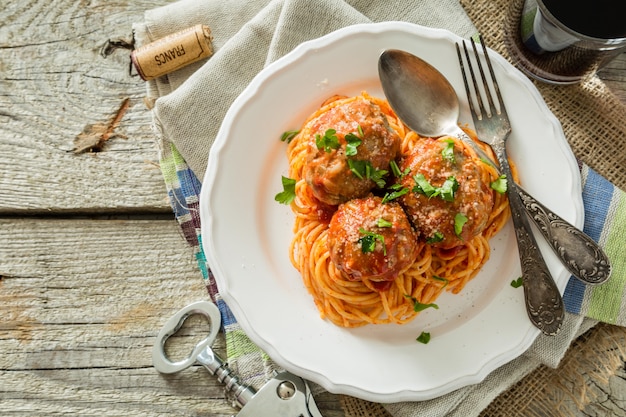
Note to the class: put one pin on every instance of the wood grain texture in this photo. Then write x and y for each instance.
(614, 76)
(54, 83)
(81, 303)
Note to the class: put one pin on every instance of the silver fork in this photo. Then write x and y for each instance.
(543, 299)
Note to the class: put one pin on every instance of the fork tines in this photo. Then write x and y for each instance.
(480, 109)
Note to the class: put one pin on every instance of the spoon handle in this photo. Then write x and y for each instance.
(544, 304)
(577, 251)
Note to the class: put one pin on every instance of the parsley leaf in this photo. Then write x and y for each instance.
(417, 306)
(328, 142)
(289, 191)
(365, 169)
(445, 281)
(352, 142)
(423, 186)
(516, 283)
(448, 151)
(395, 170)
(368, 242)
(448, 189)
(424, 338)
(377, 175)
(397, 190)
(383, 223)
(459, 221)
(435, 238)
(288, 135)
(360, 168)
(500, 185)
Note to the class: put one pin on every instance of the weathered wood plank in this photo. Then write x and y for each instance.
(81, 302)
(614, 75)
(54, 83)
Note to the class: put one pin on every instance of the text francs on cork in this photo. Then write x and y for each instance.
(172, 52)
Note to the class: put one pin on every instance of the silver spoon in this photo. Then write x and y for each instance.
(426, 102)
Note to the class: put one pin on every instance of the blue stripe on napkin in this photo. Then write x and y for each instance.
(596, 191)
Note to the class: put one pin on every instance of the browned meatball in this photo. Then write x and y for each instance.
(434, 216)
(327, 170)
(369, 239)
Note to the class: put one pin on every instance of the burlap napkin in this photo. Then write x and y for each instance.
(192, 102)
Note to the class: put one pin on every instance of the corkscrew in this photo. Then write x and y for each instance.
(284, 395)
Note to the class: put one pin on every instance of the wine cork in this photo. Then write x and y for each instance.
(172, 52)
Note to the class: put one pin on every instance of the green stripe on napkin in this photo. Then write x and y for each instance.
(606, 301)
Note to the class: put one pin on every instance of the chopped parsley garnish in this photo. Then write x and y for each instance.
(449, 187)
(417, 306)
(424, 338)
(423, 186)
(288, 135)
(435, 238)
(365, 170)
(459, 221)
(448, 152)
(328, 142)
(368, 242)
(446, 191)
(395, 170)
(516, 283)
(397, 190)
(445, 281)
(383, 223)
(352, 142)
(289, 191)
(500, 185)
(488, 161)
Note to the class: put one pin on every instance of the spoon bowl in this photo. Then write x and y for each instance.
(419, 94)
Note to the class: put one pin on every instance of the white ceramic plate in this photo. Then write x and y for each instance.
(246, 234)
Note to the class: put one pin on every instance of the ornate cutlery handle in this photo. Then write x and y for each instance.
(543, 299)
(578, 252)
(544, 304)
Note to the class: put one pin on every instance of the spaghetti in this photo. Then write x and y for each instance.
(351, 302)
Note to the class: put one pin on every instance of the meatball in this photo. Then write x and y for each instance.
(327, 170)
(371, 239)
(435, 161)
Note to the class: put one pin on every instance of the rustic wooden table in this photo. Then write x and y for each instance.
(91, 259)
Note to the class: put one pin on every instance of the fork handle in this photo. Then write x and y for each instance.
(544, 304)
(577, 251)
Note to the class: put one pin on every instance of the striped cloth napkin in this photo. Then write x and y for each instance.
(253, 31)
(183, 189)
(605, 222)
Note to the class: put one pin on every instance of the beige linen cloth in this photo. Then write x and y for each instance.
(248, 35)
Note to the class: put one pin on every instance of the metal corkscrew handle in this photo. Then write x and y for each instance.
(285, 394)
(578, 252)
(202, 353)
(544, 303)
